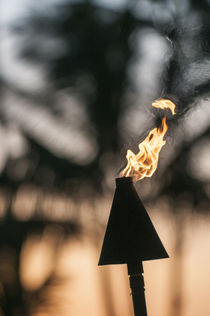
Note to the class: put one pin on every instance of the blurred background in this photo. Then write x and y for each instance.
(77, 79)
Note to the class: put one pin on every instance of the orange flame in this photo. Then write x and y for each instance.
(145, 162)
(164, 104)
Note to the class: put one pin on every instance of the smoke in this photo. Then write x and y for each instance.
(187, 73)
(172, 57)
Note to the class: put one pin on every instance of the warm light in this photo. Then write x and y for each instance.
(164, 104)
(145, 162)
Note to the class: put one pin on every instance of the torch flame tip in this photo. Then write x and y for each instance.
(164, 104)
(145, 162)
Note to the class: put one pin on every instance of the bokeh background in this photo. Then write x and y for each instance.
(77, 79)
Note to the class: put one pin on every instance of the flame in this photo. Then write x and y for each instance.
(164, 104)
(145, 162)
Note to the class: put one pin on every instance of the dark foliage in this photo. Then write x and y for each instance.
(92, 51)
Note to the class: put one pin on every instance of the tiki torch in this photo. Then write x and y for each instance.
(130, 236)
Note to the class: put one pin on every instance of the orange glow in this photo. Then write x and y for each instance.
(164, 104)
(145, 162)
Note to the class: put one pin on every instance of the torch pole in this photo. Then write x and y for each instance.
(135, 272)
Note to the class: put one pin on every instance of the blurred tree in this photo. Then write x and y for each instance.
(91, 54)
(86, 50)
(91, 57)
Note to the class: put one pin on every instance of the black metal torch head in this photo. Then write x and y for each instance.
(130, 235)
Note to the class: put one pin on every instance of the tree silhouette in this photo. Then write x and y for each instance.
(86, 50)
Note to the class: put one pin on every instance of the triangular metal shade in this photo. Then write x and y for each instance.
(130, 235)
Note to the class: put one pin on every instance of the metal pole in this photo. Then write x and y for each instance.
(135, 272)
